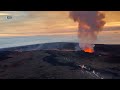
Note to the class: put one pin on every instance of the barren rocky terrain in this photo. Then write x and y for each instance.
(60, 63)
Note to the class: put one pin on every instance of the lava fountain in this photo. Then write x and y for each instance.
(90, 23)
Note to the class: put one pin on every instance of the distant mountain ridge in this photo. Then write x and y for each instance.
(61, 46)
(45, 46)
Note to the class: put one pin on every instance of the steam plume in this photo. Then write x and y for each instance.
(89, 24)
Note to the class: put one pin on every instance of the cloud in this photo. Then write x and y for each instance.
(112, 28)
(16, 16)
(40, 22)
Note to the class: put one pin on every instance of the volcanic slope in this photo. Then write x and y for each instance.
(61, 64)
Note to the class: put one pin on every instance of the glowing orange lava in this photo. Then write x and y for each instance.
(88, 50)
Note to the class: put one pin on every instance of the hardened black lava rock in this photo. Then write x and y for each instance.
(64, 63)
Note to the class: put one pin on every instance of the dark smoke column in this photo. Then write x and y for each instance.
(89, 24)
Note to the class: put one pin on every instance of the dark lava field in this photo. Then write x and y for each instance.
(60, 63)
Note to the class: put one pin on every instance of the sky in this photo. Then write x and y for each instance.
(32, 23)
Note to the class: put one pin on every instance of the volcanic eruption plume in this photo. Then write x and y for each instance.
(90, 23)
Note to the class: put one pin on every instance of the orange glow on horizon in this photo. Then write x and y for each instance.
(42, 34)
(112, 24)
(68, 29)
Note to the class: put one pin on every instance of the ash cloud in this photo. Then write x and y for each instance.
(90, 23)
